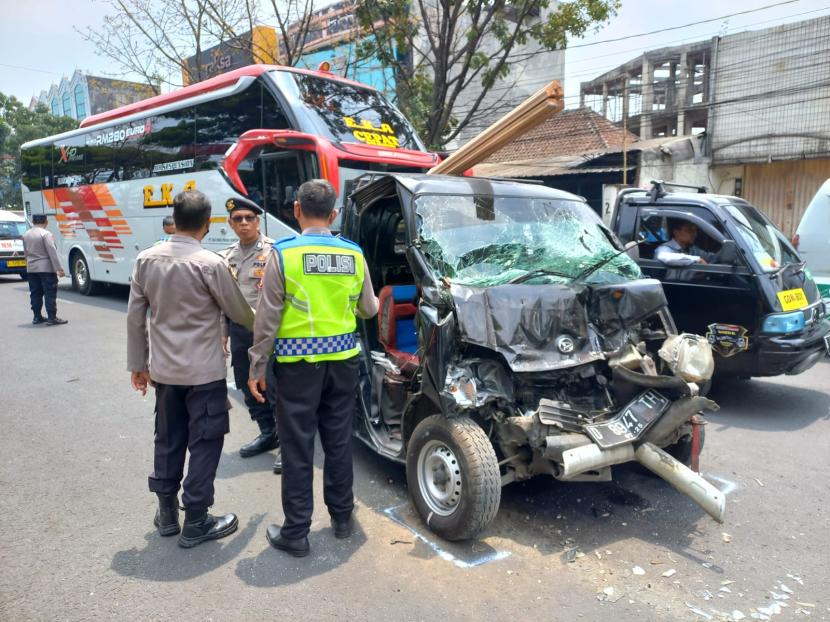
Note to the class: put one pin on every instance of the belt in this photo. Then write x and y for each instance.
(306, 346)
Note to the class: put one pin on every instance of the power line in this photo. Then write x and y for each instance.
(704, 21)
(54, 73)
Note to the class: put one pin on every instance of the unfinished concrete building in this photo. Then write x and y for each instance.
(665, 92)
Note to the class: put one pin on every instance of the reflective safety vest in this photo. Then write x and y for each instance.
(323, 278)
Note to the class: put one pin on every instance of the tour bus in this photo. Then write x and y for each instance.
(257, 132)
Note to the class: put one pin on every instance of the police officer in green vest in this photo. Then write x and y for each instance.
(314, 286)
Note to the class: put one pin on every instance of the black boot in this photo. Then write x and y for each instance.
(167, 515)
(298, 547)
(199, 526)
(278, 463)
(38, 319)
(266, 441)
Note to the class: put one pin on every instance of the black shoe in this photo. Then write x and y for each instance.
(199, 526)
(56, 321)
(342, 528)
(38, 319)
(262, 443)
(298, 547)
(278, 463)
(167, 515)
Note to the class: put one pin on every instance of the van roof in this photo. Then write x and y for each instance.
(11, 216)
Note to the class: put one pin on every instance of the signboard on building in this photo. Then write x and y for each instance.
(257, 46)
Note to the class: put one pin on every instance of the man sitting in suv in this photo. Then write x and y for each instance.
(681, 249)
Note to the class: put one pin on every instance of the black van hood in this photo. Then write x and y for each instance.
(522, 322)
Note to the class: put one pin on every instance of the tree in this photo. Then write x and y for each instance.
(19, 125)
(443, 50)
(154, 39)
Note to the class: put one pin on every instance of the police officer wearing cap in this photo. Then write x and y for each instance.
(247, 259)
(314, 286)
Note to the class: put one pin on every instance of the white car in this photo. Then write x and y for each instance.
(812, 238)
(12, 257)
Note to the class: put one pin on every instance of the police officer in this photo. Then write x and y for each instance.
(314, 285)
(246, 259)
(43, 268)
(186, 289)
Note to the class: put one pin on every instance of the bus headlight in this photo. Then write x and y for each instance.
(781, 323)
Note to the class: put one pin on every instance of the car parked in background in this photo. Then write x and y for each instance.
(12, 257)
(812, 238)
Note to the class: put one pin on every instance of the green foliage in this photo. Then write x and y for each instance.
(18, 125)
(440, 50)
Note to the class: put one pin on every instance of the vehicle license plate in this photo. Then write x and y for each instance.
(631, 421)
(16, 263)
(792, 299)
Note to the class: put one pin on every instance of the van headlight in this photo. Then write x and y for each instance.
(689, 357)
(781, 323)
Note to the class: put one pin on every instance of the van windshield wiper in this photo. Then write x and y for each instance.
(591, 269)
(778, 271)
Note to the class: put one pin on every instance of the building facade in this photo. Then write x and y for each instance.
(759, 101)
(82, 95)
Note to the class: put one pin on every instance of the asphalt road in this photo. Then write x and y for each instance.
(78, 542)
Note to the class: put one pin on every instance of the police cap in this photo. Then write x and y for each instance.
(236, 203)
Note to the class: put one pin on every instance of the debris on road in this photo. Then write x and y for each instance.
(699, 612)
(726, 537)
(759, 482)
(638, 571)
(670, 573)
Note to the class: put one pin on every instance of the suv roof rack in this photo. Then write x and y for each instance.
(658, 188)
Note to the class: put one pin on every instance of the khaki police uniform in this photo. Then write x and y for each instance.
(186, 290)
(305, 328)
(42, 267)
(247, 264)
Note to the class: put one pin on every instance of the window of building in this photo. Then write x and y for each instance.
(67, 104)
(56, 111)
(80, 101)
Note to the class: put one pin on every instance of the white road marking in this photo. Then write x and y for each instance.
(727, 486)
(484, 559)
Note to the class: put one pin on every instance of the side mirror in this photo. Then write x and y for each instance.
(728, 252)
(632, 249)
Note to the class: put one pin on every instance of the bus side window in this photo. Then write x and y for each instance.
(69, 162)
(219, 123)
(37, 167)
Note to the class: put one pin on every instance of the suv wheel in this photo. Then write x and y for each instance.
(453, 476)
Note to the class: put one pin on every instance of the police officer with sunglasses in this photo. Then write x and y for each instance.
(247, 258)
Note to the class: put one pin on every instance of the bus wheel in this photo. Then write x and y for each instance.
(81, 279)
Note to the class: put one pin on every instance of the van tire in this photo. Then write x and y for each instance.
(455, 503)
(81, 278)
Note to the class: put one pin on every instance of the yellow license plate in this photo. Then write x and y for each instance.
(16, 263)
(792, 299)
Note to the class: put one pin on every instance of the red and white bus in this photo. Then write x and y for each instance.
(258, 132)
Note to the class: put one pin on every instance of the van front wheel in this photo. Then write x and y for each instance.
(453, 476)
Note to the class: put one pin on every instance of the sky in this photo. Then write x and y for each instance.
(39, 42)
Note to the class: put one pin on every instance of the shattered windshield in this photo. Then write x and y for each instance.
(484, 240)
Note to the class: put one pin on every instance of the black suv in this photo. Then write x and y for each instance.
(754, 299)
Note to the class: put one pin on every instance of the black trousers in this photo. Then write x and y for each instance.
(194, 419)
(242, 339)
(312, 397)
(43, 285)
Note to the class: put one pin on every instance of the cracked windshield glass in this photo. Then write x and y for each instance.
(483, 241)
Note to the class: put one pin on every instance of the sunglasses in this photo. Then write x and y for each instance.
(244, 218)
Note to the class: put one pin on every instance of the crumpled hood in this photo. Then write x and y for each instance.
(521, 322)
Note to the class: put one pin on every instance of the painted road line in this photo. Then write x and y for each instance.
(475, 559)
(727, 486)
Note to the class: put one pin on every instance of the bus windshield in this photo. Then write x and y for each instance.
(346, 113)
